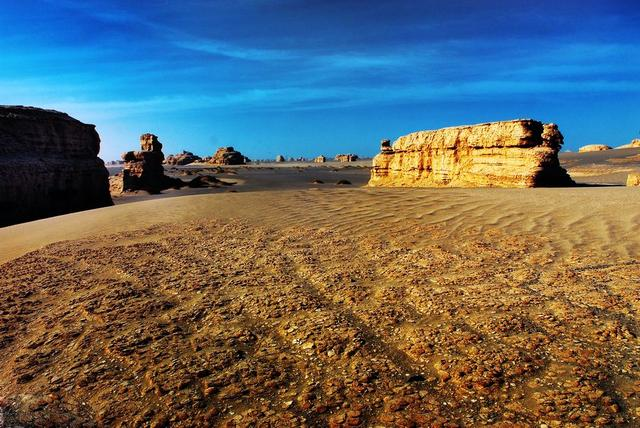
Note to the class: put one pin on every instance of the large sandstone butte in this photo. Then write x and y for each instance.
(518, 153)
(49, 165)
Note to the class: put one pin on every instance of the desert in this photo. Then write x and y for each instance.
(328, 305)
(319, 214)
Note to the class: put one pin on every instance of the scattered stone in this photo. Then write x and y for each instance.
(519, 153)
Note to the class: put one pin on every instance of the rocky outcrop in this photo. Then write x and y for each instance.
(184, 158)
(143, 169)
(320, 159)
(347, 158)
(49, 165)
(634, 144)
(593, 148)
(280, 158)
(518, 153)
(633, 180)
(228, 156)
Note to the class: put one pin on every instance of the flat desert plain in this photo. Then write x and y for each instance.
(282, 302)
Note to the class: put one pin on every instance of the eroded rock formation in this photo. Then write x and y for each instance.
(280, 158)
(143, 169)
(184, 158)
(593, 148)
(228, 156)
(49, 165)
(347, 158)
(320, 159)
(633, 180)
(518, 153)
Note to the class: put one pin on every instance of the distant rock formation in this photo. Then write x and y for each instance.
(346, 158)
(633, 180)
(634, 144)
(280, 158)
(228, 156)
(593, 148)
(320, 159)
(518, 153)
(143, 169)
(184, 158)
(49, 165)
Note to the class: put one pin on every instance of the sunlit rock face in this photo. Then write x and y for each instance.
(594, 148)
(49, 165)
(517, 153)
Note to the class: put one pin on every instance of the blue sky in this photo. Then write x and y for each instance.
(303, 78)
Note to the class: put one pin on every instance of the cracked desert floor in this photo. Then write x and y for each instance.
(327, 306)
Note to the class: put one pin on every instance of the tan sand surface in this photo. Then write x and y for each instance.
(327, 306)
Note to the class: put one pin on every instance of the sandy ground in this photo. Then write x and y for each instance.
(333, 305)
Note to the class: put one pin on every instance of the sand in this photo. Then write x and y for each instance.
(318, 304)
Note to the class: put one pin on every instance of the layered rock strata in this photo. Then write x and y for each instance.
(49, 165)
(518, 153)
(228, 156)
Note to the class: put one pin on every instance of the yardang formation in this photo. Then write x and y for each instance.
(49, 165)
(518, 153)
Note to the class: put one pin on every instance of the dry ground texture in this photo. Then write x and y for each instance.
(340, 307)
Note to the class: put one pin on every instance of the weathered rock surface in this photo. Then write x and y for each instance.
(49, 165)
(280, 158)
(228, 156)
(633, 180)
(143, 169)
(593, 148)
(347, 158)
(320, 159)
(184, 158)
(518, 153)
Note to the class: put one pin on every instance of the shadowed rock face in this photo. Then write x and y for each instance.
(143, 169)
(519, 153)
(49, 165)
